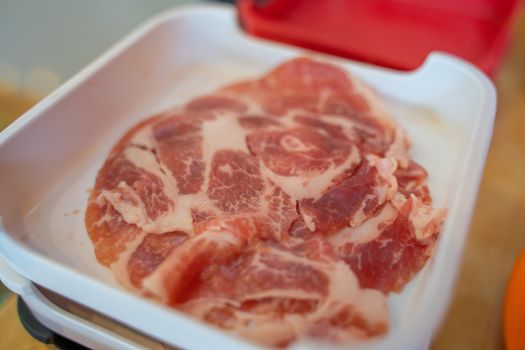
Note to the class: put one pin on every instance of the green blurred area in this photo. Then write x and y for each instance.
(4, 292)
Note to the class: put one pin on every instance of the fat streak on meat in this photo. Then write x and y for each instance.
(278, 208)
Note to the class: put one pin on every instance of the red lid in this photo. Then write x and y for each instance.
(392, 33)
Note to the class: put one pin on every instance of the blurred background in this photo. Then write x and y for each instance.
(43, 43)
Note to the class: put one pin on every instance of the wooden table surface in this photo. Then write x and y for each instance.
(12, 333)
(497, 234)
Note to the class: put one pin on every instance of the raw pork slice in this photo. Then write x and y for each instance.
(279, 208)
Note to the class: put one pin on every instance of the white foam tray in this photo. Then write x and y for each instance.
(50, 156)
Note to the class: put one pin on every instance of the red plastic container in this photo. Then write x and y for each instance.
(391, 33)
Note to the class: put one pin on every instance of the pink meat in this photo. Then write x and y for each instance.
(278, 208)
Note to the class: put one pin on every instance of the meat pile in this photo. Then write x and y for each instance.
(277, 208)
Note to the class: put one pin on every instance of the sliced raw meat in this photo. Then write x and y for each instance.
(216, 102)
(279, 208)
(137, 194)
(306, 74)
(179, 143)
(353, 200)
(109, 233)
(237, 187)
(319, 88)
(305, 160)
(181, 269)
(389, 249)
(274, 293)
(151, 252)
(256, 122)
(235, 184)
(299, 152)
(411, 180)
